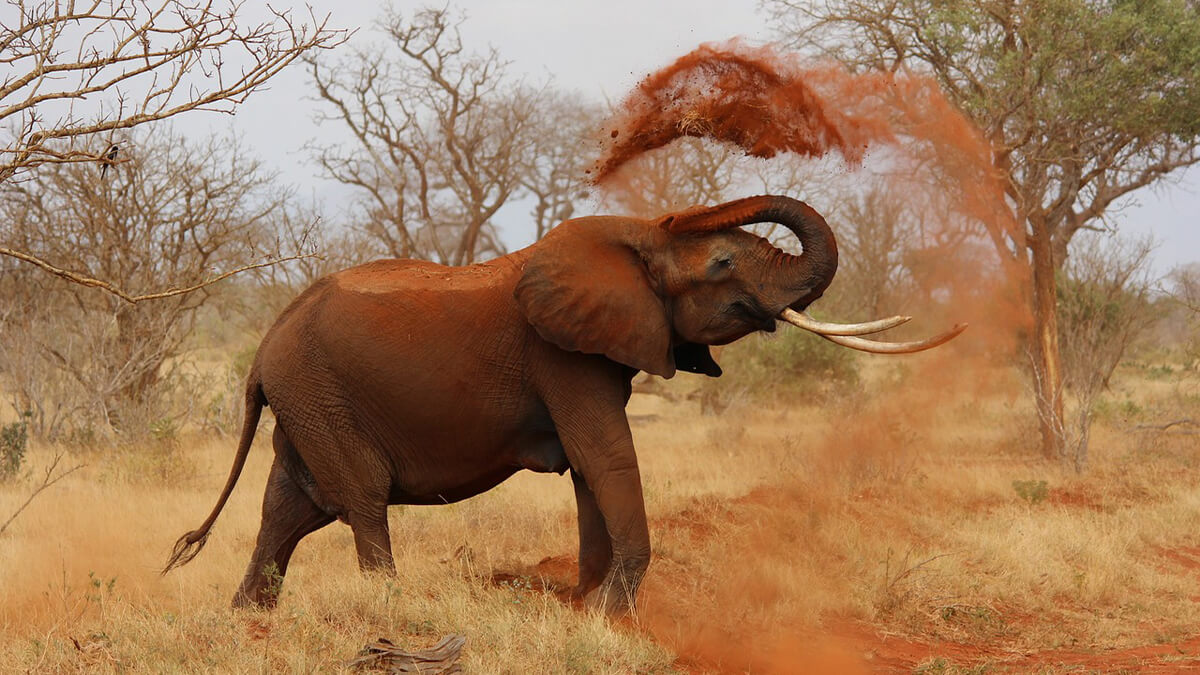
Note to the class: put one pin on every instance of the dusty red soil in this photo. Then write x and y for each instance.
(892, 654)
(554, 574)
(671, 614)
(1185, 556)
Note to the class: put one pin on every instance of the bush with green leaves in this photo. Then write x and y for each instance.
(790, 364)
(1033, 492)
(14, 439)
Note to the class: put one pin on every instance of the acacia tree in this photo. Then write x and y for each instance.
(177, 210)
(1084, 102)
(77, 74)
(442, 137)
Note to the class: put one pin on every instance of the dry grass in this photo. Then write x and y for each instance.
(780, 536)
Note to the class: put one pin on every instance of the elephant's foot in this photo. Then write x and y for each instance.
(614, 601)
(592, 570)
(260, 588)
(254, 599)
(617, 595)
(260, 593)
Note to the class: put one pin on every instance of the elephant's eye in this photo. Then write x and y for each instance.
(720, 266)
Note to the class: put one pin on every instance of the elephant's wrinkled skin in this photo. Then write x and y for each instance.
(406, 382)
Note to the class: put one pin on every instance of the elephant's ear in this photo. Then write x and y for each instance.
(585, 290)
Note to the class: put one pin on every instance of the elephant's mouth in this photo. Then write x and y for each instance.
(749, 311)
(846, 334)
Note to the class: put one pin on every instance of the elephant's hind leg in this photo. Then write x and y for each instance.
(372, 540)
(349, 476)
(288, 515)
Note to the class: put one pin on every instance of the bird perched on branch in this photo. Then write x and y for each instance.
(110, 158)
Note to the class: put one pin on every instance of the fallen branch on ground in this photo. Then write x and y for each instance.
(1166, 427)
(441, 659)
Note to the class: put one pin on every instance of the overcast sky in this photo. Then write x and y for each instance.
(602, 49)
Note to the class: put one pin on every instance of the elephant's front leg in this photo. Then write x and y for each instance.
(599, 446)
(619, 494)
(595, 548)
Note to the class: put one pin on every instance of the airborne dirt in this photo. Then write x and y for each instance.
(736, 96)
(766, 103)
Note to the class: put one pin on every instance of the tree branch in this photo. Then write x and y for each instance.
(85, 280)
(48, 481)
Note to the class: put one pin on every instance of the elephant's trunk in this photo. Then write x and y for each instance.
(806, 276)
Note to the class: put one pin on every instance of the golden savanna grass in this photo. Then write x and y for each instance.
(876, 533)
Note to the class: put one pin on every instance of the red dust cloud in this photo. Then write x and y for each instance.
(734, 95)
(897, 124)
(966, 266)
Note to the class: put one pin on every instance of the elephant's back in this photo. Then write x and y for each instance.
(385, 277)
(392, 309)
(404, 333)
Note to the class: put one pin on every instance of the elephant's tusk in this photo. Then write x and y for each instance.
(862, 344)
(843, 334)
(802, 320)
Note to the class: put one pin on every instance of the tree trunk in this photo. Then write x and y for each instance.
(141, 353)
(1047, 361)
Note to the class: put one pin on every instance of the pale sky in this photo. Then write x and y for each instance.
(602, 49)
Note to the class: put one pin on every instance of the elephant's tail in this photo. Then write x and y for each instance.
(190, 544)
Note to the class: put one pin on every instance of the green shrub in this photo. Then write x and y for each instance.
(1032, 491)
(14, 439)
(1124, 411)
(1159, 372)
(789, 364)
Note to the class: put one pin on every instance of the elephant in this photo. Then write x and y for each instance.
(409, 382)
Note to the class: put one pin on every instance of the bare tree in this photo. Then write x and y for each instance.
(79, 72)
(443, 137)
(565, 126)
(75, 70)
(1104, 305)
(271, 288)
(1185, 294)
(686, 173)
(876, 238)
(177, 210)
(1186, 282)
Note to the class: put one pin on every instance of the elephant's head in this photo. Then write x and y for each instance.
(654, 294)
